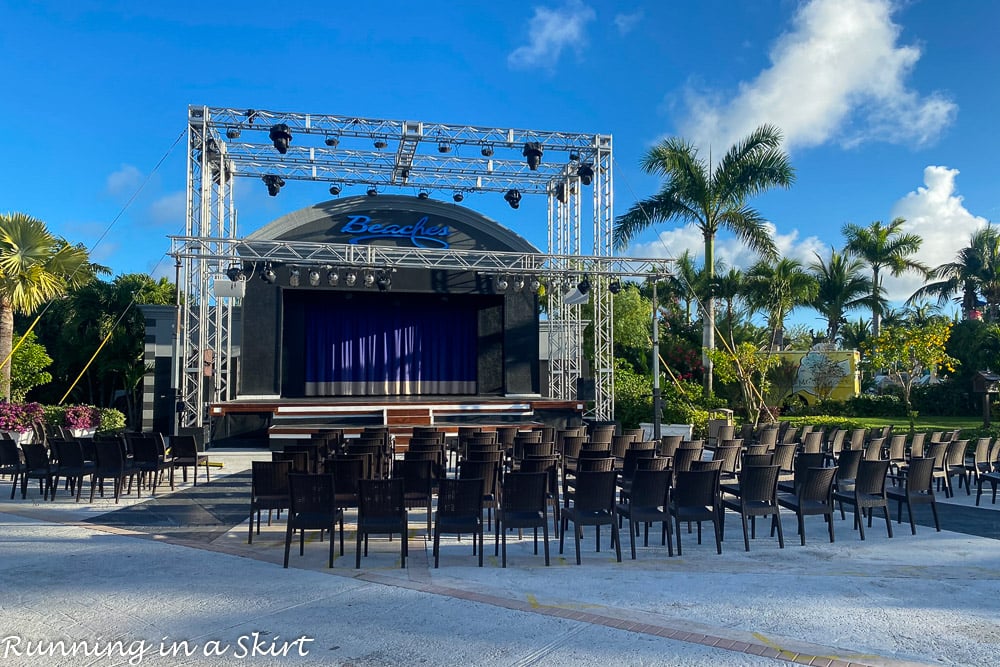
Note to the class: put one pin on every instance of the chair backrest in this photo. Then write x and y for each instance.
(347, 471)
(873, 449)
(602, 464)
(506, 435)
(269, 478)
(761, 459)
(643, 444)
(636, 433)
(594, 451)
(110, 457)
(936, 436)
(543, 464)
(417, 475)
(524, 491)
(183, 446)
(956, 452)
(847, 463)
(381, 498)
(897, 447)
(920, 476)
(9, 453)
(706, 465)
(730, 442)
(756, 450)
(684, 457)
(669, 444)
(572, 444)
(917, 445)
(364, 460)
(817, 485)
(535, 449)
(791, 434)
(70, 453)
(311, 494)
(696, 488)
(812, 442)
(144, 449)
(857, 439)
(759, 483)
(803, 463)
(729, 456)
(994, 455)
(982, 453)
(654, 463)
(768, 435)
(428, 432)
(650, 488)
(837, 441)
(784, 456)
(594, 490)
(460, 498)
(871, 477)
(35, 455)
(631, 460)
(488, 471)
(619, 443)
(937, 451)
(601, 433)
(299, 460)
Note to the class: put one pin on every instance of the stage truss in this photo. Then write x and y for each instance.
(388, 155)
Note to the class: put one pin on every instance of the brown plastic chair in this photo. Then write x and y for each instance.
(268, 490)
(593, 504)
(523, 505)
(418, 484)
(648, 502)
(312, 506)
(814, 496)
(695, 498)
(459, 510)
(867, 493)
(918, 489)
(757, 495)
(381, 511)
(184, 450)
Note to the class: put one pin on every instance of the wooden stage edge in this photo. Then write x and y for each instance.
(290, 418)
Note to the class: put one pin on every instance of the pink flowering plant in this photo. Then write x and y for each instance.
(19, 417)
(82, 417)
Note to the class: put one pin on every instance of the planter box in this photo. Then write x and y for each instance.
(82, 432)
(677, 429)
(19, 437)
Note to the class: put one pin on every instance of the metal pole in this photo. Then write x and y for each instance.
(657, 410)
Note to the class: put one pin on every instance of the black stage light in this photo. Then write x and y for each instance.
(535, 284)
(293, 276)
(351, 278)
(615, 286)
(369, 279)
(332, 277)
(251, 115)
(233, 133)
(268, 275)
(519, 283)
(586, 174)
(274, 183)
(423, 194)
(335, 190)
(373, 191)
(561, 192)
(314, 277)
(458, 197)
(583, 285)
(235, 273)
(281, 136)
(383, 281)
(331, 140)
(513, 197)
(486, 150)
(380, 144)
(574, 156)
(533, 153)
(444, 148)
(501, 283)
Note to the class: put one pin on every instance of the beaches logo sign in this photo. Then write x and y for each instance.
(420, 234)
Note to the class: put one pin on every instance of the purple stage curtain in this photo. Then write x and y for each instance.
(368, 349)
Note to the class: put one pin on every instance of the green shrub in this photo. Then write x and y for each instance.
(946, 399)
(867, 405)
(112, 421)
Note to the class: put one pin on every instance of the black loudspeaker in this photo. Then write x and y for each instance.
(585, 389)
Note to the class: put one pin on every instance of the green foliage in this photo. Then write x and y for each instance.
(112, 421)
(867, 405)
(28, 367)
(683, 403)
(826, 422)
(780, 380)
(633, 395)
(946, 398)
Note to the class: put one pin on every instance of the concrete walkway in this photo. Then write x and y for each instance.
(175, 575)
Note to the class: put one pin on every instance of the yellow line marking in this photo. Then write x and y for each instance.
(804, 656)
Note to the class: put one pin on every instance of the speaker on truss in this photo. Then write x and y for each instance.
(586, 390)
(232, 288)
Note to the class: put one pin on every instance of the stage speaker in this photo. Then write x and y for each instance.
(233, 288)
(575, 297)
(586, 390)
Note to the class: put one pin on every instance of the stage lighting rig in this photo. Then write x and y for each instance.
(513, 197)
(281, 136)
(274, 183)
(533, 154)
(586, 174)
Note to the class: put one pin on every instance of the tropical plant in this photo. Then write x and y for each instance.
(974, 273)
(841, 288)
(745, 365)
(19, 417)
(81, 417)
(776, 290)
(35, 266)
(712, 197)
(28, 366)
(884, 248)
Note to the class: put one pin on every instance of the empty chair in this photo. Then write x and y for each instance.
(897, 452)
(523, 505)
(784, 458)
(916, 446)
(37, 466)
(111, 465)
(729, 457)
(955, 465)
(550, 466)
(980, 464)
(70, 465)
(867, 493)
(268, 490)
(10, 463)
(648, 502)
(418, 484)
(311, 506)
(684, 457)
(381, 511)
(669, 445)
(696, 498)
(812, 442)
(847, 469)
(489, 472)
(992, 477)
(814, 496)
(459, 510)
(593, 505)
(347, 471)
(757, 495)
(918, 489)
(185, 454)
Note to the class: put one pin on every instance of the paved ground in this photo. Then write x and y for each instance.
(173, 582)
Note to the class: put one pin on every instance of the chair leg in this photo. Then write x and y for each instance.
(616, 538)
(288, 542)
(888, 522)
(357, 551)
(935, 512)
(577, 530)
(746, 538)
(545, 536)
(829, 521)
(776, 521)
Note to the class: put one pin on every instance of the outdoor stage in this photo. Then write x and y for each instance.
(263, 421)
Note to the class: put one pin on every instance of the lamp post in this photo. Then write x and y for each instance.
(656, 369)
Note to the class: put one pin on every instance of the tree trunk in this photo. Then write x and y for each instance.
(708, 326)
(6, 344)
(876, 314)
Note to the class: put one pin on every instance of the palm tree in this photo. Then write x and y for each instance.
(35, 266)
(974, 273)
(730, 289)
(842, 288)
(777, 289)
(854, 334)
(685, 282)
(883, 247)
(712, 197)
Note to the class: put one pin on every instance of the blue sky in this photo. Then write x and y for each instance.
(888, 108)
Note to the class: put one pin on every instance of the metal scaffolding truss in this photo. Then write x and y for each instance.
(387, 154)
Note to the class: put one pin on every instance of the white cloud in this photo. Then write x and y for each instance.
(170, 210)
(125, 181)
(838, 74)
(935, 213)
(627, 22)
(550, 31)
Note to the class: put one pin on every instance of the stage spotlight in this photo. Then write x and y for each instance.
(331, 140)
(380, 144)
(274, 183)
(314, 277)
(373, 191)
(574, 156)
(233, 133)
(533, 154)
(444, 148)
(293, 276)
(384, 281)
(281, 136)
(583, 285)
(332, 277)
(335, 189)
(513, 197)
(586, 174)
(458, 197)
(615, 286)
(369, 279)
(351, 278)
(423, 194)
(486, 150)
(519, 283)
(535, 284)
(268, 275)
(251, 115)
(501, 283)
(235, 273)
